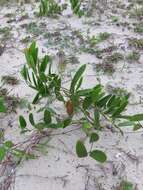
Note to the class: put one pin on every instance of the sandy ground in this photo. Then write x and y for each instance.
(60, 168)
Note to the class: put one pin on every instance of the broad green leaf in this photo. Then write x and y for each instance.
(2, 153)
(111, 101)
(47, 117)
(103, 101)
(121, 108)
(98, 156)
(76, 78)
(22, 122)
(94, 137)
(80, 149)
(97, 93)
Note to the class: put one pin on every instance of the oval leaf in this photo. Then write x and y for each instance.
(94, 137)
(47, 117)
(22, 122)
(31, 119)
(98, 156)
(80, 149)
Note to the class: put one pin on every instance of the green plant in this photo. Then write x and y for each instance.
(76, 7)
(5, 32)
(139, 28)
(94, 40)
(125, 185)
(11, 80)
(105, 67)
(114, 58)
(11, 102)
(49, 7)
(133, 56)
(137, 43)
(93, 104)
(33, 28)
(137, 12)
(114, 18)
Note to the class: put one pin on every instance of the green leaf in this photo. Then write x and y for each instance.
(66, 122)
(22, 122)
(86, 128)
(111, 101)
(97, 93)
(31, 119)
(98, 156)
(33, 51)
(87, 125)
(47, 117)
(85, 92)
(59, 96)
(121, 108)
(2, 106)
(80, 149)
(96, 119)
(76, 78)
(43, 77)
(125, 185)
(44, 63)
(87, 102)
(36, 98)
(34, 79)
(137, 127)
(9, 144)
(94, 137)
(79, 83)
(54, 125)
(103, 101)
(2, 153)
(137, 117)
(24, 72)
(126, 123)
